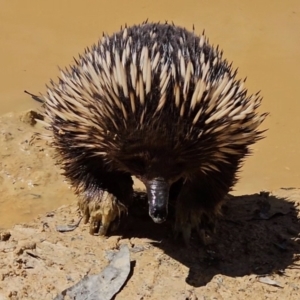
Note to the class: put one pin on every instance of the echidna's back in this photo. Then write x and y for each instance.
(161, 65)
(155, 87)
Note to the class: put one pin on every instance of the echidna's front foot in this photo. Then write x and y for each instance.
(200, 221)
(191, 214)
(103, 212)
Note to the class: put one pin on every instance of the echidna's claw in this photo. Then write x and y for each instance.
(102, 230)
(102, 212)
(204, 236)
(195, 219)
(186, 233)
(184, 230)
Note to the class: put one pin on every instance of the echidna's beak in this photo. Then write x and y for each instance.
(158, 195)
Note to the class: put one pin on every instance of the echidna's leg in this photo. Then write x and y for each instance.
(104, 194)
(200, 200)
(173, 196)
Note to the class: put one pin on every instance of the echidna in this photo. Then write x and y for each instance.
(160, 103)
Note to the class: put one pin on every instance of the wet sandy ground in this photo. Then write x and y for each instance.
(262, 39)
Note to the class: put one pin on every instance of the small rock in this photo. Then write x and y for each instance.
(5, 236)
(30, 117)
(25, 245)
(6, 136)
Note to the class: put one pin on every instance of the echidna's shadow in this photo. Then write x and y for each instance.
(254, 236)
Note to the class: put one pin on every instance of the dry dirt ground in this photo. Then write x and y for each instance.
(254, 254)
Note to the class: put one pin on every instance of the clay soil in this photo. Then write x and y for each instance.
(257, 238)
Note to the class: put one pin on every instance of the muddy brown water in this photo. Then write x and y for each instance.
(262, 38)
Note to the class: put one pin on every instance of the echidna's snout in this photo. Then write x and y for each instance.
(158, 195)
